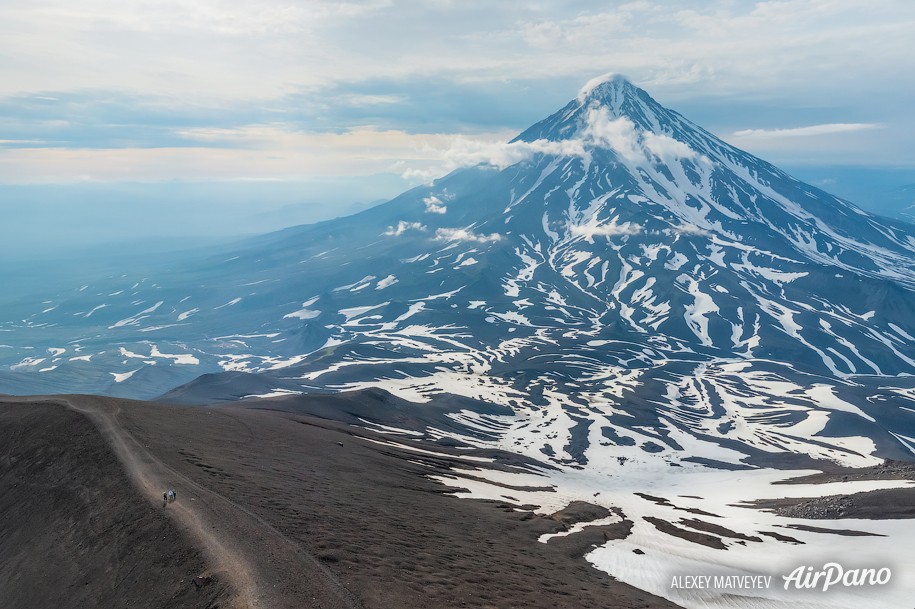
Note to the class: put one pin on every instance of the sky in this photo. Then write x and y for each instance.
(305, 110)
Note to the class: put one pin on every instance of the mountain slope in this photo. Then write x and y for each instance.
(634, 287)
(76, 533)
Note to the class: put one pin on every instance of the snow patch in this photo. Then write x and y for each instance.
(123, 376)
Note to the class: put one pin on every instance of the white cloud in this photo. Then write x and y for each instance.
(608, 230)
(207, 47)
(600, 130)
(591, 29)
(418, 175)
(190, 49)
(809, 131)
(363, 100)
(465, 152)
(227, 18)
(828, 143)
(618, 134)
(230, 49)
(402, 227)
(234, 54)
(465, 234)
(631, 143)
(434, 205)
(667, 148)
(453, 152)
(689, 230)
(275, 151)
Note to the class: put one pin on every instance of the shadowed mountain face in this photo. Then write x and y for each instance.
(629, 285)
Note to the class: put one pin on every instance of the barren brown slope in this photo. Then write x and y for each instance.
(74, 532)
(368, 512)
(238, 545)
(314, 523)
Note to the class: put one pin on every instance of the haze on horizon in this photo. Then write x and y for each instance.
(210, 118)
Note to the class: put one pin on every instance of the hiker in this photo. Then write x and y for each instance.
(165, 499)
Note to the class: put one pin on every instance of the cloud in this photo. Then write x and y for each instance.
(22, 143)
(810, 131)
(478, 67)
(362, 100)
(618, 134)
(460, 151)
(434, 205)
(600, 130)
(667, 149)
(632, 144)
(465, 234)
(402, 227)
(827, 143)
(551, 35)
(230, 18)
(465, 152)
(417, 175)
(223, 46)
(277, 151)
(608, 230)
(688, 230)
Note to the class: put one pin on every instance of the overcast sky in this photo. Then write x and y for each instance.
(155, 91)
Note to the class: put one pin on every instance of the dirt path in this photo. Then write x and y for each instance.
(217, 524)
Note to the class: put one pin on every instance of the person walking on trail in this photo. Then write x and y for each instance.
(169, 496)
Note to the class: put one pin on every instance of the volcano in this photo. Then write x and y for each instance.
(616, 295)
(616, 275)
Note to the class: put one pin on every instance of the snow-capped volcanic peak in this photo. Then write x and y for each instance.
(603, 111)
(616, 134)
(606, 82)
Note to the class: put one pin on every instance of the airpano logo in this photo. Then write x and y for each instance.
(830, 576)
(833, 574)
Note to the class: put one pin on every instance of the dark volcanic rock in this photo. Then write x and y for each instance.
(580, 511)
(693, 536)
(880, 504)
